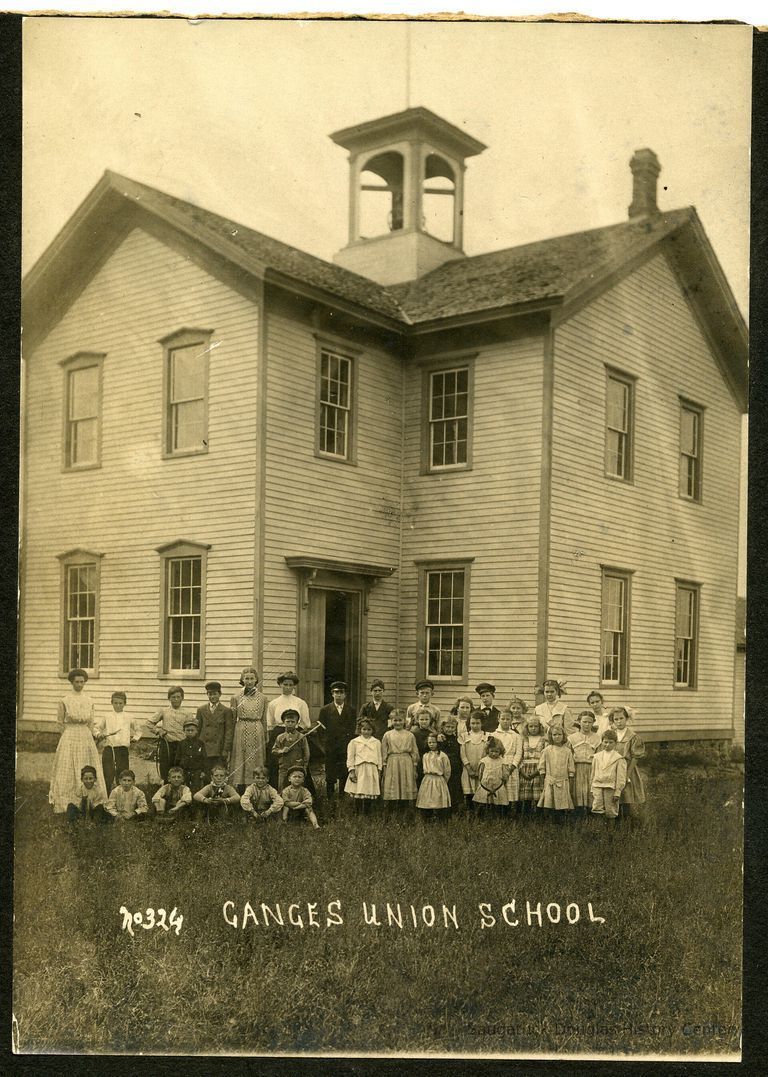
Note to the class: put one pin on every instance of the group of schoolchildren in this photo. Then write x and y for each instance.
(477, 758)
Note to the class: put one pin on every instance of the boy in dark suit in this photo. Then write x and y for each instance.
(191, 757)
(216, 725)
(378, 710)
(489, 715)
(339, 721)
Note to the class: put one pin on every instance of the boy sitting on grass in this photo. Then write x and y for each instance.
(127, 803)
(260, 801)
(174, 798)
(90, 803)
(296, 799)
(218, 796)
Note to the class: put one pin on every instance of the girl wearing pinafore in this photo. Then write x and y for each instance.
(492, 776)
(557, 768)
(364, 766)
(399, 758)
(434, 796)
(473, 745)
(583, 744)
(534, 743)
(512, 744)
(77, 747)
(249, 743)
(631, 748)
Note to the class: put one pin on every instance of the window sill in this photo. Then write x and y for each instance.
(451, 469)
(181, 453)
(187, 676)
(74, 469)
(618, 478)
(346, 460)
(91, 676)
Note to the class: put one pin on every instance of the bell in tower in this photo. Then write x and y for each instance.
(406, 192)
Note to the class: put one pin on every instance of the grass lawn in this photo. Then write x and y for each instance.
(660, 975)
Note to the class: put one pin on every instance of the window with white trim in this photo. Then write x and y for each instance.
(448, 418)
(80, 592)
(335, 400)
(183, 609)
(619, 424)
(691, 421)
(186, 392)
(82, 402)
(686, 634)
(614, 664)
(445, 605)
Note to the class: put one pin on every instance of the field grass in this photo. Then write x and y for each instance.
(661, 975)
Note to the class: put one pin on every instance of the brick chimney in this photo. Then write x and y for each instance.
(645, 172)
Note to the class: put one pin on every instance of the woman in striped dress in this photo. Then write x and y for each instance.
(249, 744)
(531, 784)
(76, 747)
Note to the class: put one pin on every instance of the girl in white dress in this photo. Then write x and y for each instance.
(434, 799)
(364, 766)
(77, 746)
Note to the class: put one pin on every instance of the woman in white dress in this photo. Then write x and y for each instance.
(77, 744)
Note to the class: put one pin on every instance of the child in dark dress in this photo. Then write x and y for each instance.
(422, 729)
(448, 742)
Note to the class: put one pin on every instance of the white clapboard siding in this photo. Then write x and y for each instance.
(137, 501)
(490, 513)
(316, 506)
(644, 327)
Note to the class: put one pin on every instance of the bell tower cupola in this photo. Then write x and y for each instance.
(406, 194)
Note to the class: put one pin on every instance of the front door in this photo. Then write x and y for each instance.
(330, 644)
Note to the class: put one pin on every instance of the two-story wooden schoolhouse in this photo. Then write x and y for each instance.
(405, 463)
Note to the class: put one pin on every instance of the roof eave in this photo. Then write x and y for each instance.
(475, 317)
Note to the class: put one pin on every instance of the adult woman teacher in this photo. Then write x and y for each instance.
(249, 744)
(77, 746)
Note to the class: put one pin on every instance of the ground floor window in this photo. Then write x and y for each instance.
(614, 664)
(444, 617)
(80, 611)
(686, 633)
(183, 610)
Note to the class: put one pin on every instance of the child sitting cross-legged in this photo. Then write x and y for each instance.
(218, 796)
(174, 799)
(90, 802)
(127, 802)
(260, 801)
(297, 799)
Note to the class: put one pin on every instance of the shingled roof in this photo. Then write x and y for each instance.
(547, 273)
(546, 270)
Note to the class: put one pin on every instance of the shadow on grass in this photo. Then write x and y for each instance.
(660, 975)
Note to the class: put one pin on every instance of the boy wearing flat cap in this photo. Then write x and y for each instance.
(339, 721)
(424, 689)
(216, 724)
(489, 714)
(192, 758)
(378, 710)
(287, 700)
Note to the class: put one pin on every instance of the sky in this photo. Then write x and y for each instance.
(234, 116)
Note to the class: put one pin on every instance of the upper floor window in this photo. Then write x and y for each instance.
(80, 587)
(444, 602)
(691, 421)
(686, 633)
(186, 391)
(615, 627)
(449, 418)
(183, 608)
(335, 405)
(619, 424)
(82, 401)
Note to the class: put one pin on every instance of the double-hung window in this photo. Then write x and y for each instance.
(686, 633)
(82, 414)
(444, 616)
(183, 609)
(335, 405)
(447, 400)
(619, 425)
(614, 663)
(80, 590)
(691, 422)
(186, 391)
